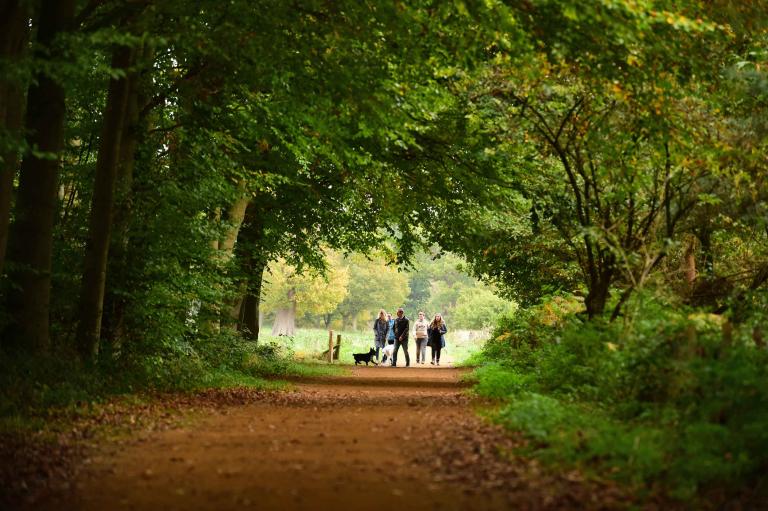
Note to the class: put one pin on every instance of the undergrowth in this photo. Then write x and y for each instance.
(30, 387)
(661, 401)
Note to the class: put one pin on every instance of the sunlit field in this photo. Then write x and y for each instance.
(309, 343)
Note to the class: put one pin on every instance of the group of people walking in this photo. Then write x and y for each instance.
(390, 334)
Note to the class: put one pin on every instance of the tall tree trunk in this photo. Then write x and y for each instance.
(14, 32)
(250, 315)
(235, 218)
(134, 129)
(285, 319)
(102, 206)
(252, 263)
(224, 250)
(30, 243)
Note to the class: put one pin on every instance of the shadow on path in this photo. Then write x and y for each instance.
(378, 438)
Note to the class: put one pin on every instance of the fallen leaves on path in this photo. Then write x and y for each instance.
(460, 450)
(48, 459)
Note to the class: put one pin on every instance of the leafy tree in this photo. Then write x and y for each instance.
(373, 285)
(290, 292)
(479, 308)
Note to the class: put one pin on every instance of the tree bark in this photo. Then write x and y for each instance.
(30, 243)
(113, 320)
(599, 290)
(250, 314)
(14, 33)
(224, 250)
(689, 264)
(235, 218)
(102, 209)
(285, 321)
(252, 263)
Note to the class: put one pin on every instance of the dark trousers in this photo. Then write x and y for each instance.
(404, 344)
(378, 350)
(436, 353)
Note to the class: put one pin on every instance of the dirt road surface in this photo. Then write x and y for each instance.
(379, 438)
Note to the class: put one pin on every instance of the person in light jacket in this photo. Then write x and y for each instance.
(420, 328)
(436, 333)
(380, 330)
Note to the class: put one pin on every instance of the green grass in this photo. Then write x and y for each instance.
(228, 378)
(308, 343)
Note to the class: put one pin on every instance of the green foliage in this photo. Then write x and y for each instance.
(661, 402)
(33, 386)
(480, 308)
(498, 381)
(373, 285)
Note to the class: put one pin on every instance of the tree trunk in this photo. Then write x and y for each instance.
(285, 321)
(14, 32)
(31, 238)
(354, 322)
(689, 264)
(596, 299)
(216, 218)
(344, 321)
(250, 315)
(102, 207)
(599, 291)
(235, 218)
(115, 303)
(252, 263)
(224, 250)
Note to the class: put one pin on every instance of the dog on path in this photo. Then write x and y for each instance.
(365, 357)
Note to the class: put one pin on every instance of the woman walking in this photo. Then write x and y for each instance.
(420, 328)
(390, 337)
(391, 330)
(436, 332)
(380, 330)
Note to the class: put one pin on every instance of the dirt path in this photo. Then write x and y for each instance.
(379, 438)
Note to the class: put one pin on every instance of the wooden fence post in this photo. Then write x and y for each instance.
(338, 347)
(330, 346)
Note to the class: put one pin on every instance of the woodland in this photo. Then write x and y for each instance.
(602, 164)
(355, 288)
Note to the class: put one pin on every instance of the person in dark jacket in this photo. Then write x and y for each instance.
(401, 328)
(436, 334)
(380, 330)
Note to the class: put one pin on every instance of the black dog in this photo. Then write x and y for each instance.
(365, 357)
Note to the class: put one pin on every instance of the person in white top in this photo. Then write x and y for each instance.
(420, 333)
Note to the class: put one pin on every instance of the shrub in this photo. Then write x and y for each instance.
(661, 400)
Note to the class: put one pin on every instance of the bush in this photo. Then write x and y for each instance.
(496, 381)
(662, 400)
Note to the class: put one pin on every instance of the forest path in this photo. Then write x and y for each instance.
(376, 438)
